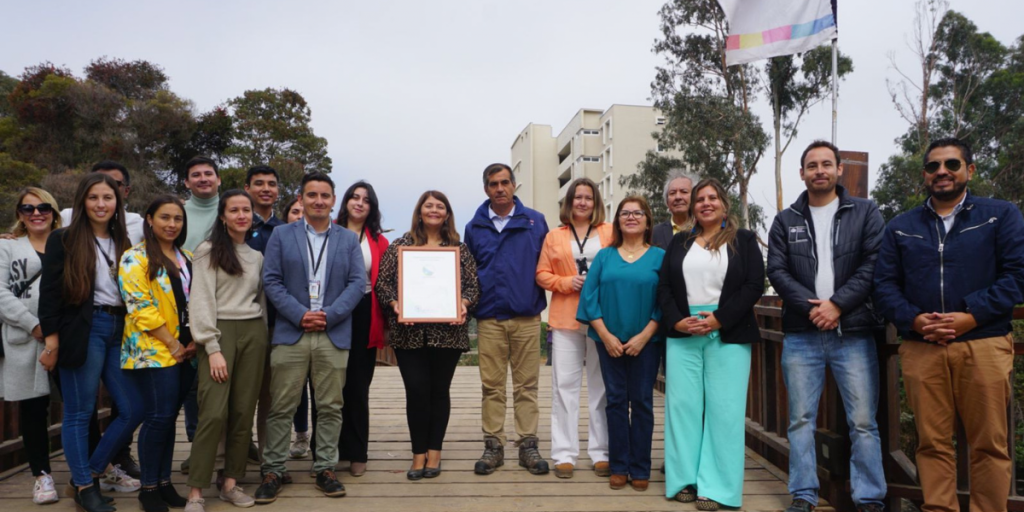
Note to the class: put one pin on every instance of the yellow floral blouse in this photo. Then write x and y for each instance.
(150, 304)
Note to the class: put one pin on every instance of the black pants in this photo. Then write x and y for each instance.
(427, 374)
(355, 414)
(34, 416)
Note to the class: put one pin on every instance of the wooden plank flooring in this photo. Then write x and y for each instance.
(385, 488)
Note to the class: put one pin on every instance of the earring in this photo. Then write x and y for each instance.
(723, 224)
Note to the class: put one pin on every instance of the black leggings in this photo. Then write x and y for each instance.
(34, 419)
(427, 374)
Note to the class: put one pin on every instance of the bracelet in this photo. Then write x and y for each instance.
(176, 350)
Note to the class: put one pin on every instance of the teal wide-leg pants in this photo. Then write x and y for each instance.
(705, 416)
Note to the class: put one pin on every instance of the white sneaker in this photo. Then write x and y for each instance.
(117, 480)
(43, 491)
(300, 446)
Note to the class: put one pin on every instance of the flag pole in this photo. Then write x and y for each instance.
(835, 86)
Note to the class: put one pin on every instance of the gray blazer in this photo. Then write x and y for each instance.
(286, 282)
(23, 376)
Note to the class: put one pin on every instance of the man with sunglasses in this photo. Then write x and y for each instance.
(119, 173)
(948, 276)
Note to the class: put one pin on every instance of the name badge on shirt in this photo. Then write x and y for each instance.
(314, 289)
(798, 234)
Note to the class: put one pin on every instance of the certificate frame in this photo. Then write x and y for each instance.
(441, 270)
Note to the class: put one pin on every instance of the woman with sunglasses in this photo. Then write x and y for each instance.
(156, 277)
(618, 302)
(25, 381)
(82, 320)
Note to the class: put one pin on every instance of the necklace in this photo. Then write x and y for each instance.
(631, 253)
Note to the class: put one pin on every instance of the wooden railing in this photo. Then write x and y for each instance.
(767, 421)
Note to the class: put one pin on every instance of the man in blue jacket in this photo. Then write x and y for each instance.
(313, 274)
(821, 258)
(505, 238)
(948, 276)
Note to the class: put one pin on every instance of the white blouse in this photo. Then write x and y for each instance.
(367, 261)
(704, 273)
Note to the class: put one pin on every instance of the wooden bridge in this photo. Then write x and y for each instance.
(385, 488)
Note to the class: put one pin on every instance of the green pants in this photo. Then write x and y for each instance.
(327, 365)
(228, 405)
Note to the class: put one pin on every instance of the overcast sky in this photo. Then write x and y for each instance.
(419, 95)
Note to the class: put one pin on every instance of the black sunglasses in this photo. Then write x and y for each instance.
(953, 164)
(42, 208)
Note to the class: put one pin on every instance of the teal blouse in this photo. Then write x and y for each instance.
(622, 294)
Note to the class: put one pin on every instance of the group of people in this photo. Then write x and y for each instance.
(219, 305)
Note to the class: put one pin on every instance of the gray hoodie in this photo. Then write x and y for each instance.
(23, 376)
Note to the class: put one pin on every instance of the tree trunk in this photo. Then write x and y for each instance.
(744, 184)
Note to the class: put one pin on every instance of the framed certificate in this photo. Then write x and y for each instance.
(429, 284)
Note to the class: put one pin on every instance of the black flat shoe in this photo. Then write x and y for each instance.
(429, 472)
(415, 474)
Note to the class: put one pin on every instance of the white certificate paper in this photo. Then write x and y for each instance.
(429, 284)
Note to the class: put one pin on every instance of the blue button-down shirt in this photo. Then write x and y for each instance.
(317, 240)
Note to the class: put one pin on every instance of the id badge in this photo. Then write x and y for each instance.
(314, 289)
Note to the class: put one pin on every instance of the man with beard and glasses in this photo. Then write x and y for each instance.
(948, 276)
(821, 258)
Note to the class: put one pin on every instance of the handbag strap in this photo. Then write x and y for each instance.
(29, 284)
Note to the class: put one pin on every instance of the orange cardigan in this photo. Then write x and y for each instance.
(555, 271)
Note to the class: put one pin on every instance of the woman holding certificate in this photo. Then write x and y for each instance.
(564, 263)
(428, 352)
(712, 278)
(618, 302)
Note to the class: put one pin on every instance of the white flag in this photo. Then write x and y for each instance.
(761, 29)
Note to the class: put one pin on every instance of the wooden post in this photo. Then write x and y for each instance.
(855, 173)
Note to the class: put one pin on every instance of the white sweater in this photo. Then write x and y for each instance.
(23, 376)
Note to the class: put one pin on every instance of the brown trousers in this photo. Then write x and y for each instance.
(502, 343)
(973, 379)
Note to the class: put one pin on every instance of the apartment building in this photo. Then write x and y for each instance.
(602, 145)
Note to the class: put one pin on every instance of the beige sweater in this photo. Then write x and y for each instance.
(215, 295)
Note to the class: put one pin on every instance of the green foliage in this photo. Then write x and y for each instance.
(706, 104)
(272, 127)
(7, 85)
(14, 176)
(974, 93)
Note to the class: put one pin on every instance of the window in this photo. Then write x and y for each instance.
(659, 120)
(607, 131)
(591, 132)
(608, 162)
(590, 158)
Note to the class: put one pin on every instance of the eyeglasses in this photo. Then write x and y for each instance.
(953, 164)
(42, 208)
(625, 214)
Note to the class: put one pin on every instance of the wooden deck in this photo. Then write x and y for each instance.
(385, 488)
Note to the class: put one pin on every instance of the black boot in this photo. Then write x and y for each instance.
(90, 500)
(150, 500)
(170, 495)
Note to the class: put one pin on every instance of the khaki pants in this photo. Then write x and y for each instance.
(973, 379)
(290, 364)
(226, 409)
(501, 343)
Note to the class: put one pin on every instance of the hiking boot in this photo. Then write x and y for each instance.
(493, 457)
(269, 489)
(563, 470)
(603, 469)
(800, 505)
(529, 457)
(329, 484)
(300, 446)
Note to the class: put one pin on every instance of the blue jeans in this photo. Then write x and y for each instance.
(160, 399)
(629, 384)
(853, 358)
(80, 385)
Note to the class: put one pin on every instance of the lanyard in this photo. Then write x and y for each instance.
(106, 258)
(585, 237)
(186, 278)
(320, 259)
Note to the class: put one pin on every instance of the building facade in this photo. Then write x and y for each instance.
(603, 145)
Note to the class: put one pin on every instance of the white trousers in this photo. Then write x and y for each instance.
(570, 349)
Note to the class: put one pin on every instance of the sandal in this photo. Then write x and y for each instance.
(706, 504)
(687, 495)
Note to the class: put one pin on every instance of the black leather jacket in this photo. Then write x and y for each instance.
(857, 232)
